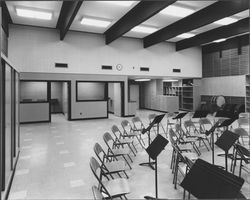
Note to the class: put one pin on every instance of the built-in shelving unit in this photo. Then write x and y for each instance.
(247, 93)
(189, 96)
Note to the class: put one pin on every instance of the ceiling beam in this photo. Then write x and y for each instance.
(231, 43)
(231, 30)
(67, 14)
(138, 14)
(207, 15)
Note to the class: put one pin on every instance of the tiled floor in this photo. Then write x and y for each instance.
(54, 162)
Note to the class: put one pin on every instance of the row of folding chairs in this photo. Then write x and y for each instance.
(113, 164)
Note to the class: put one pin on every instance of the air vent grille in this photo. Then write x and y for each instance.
(106, 67)
(144, 69)
(61, 65)
(177, 70)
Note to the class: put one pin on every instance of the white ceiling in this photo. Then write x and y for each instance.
(107, 11)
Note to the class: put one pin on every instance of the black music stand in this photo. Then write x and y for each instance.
(180, 116)
(226, 141)
(211, 131)
(226, 123)
(200, 114)
(157, 120)
(207, 181)
(154, 150)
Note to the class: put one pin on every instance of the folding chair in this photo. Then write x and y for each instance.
(120, 140)
(138, 126)
(192, 131)
(245, 156)
(111, 188)
(128, 131)
(169, 123)
(109, 166)
(97, 193)
(112, 150)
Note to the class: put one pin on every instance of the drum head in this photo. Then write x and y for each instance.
(220, 101)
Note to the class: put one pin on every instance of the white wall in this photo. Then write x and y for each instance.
(37, 50)
(226, 85)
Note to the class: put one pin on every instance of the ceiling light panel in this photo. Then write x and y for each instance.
(95, 22)
(220, 40)
(120, 3)
(177, 11)
(35, 14)
(142, 79)
(226, 21)
(144, 29)
(186, 35)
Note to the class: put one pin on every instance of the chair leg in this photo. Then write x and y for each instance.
(131, 149)
(125, 174)
(126, 161)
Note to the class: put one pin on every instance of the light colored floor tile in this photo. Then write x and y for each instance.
(26, 147)
(27, 140)
(24, 157)
(77, 183)
(59, 143)
(22, 172)
(69, 164)
(18, 195)
(64, 152)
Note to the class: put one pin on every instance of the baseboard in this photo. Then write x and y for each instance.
(128, 115)
(111, 112)
(75, 119)
(155, 110)
(34, 122)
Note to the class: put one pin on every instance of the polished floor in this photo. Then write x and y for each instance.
(54, 162)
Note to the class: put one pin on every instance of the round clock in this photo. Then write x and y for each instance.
(119, 67)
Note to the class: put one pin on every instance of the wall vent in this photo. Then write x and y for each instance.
(177, 70)
(106, 67)
(144, 69)
(61, 65)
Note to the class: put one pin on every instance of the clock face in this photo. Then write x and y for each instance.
(119, 67)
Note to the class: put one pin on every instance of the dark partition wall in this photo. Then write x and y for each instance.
(9, 124)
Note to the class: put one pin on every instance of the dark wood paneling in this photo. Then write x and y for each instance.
(200, 18)
(138, 14)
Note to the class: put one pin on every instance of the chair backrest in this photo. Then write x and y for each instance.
(242, 121)
(151, 117)
(240, 132)
(179, 130)
(137, 123)
(97, 193)
(108, 140)
(97, 171)
(243, 152)
(172, 136)
(100, 153)
(115, 130)
(188, 124)
(205, 121)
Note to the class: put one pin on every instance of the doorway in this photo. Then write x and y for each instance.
(116, 98)
(60, 100)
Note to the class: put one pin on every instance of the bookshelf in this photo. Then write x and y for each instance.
(247, 93)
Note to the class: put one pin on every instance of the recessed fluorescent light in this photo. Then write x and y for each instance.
(226, 21)
(220, 40)
(186, 35)
(120, 3)
(177, 11)
(144, 29)
(173, 80)
(24, 12)
(95, 22)
(142, 79)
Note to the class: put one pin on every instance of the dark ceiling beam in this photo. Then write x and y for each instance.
(235, 42)
(231, 30)
(207, 15)
(67, 15)
(138, 14)
(6, 18)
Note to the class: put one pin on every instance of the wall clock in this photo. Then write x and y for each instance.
(119, 67)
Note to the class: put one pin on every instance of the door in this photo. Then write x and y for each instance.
(134, 94)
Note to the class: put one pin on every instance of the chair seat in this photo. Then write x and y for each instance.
(126, 140)
(191, 156)
(121, 151)
(190, 139)
(115, 166)
(117, 186)
(185, 147)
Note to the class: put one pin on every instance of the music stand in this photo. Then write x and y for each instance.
(200, 114)
(207, 181)
(154, 150)
(226, 141)
(211, 131)
(157, 120)
(180, 116)
(226, 123)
